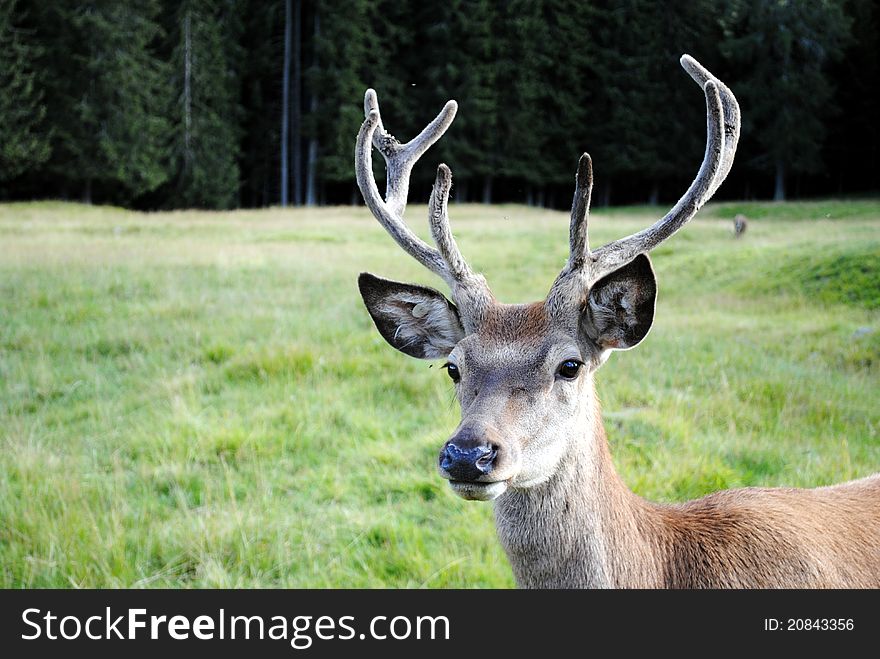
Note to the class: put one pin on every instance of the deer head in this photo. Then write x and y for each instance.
(523, 373)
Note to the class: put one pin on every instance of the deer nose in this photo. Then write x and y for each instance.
(467, 463)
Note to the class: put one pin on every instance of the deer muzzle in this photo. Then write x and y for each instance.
(474, 464)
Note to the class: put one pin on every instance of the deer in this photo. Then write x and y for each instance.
(531, 437)
(740, 224)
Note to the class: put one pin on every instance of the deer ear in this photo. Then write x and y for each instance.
(414, 319)
(620, 307)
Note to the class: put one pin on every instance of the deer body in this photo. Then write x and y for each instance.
(608, 537)
(584, 528)
(531, 435)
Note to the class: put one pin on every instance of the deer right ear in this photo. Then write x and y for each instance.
(620, 307)
(416, 320)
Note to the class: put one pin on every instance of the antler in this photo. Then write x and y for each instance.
(469, 290)
(722, 128)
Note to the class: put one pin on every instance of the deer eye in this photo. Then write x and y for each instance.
(569, 369)
(452, 371)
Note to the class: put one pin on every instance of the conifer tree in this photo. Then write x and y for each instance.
(263, 42)
(206, 108)
(105, 94)
(349, 55)
(783, 50)
(24, 140)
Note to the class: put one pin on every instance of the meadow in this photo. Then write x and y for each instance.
(192, 399)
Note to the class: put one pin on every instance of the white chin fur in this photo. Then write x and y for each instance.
(532, 482)
(478, 491)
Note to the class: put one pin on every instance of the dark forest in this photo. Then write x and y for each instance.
(238, 103)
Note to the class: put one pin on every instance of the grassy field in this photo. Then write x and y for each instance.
(200, 399)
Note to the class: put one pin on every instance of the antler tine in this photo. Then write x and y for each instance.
(400, 158)
(732, 122)
(722, 135)
(571, 280)
(438, 216)
(469, 290)
(579, 241)
(393, 223)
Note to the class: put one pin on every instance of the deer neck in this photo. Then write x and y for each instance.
(583, 527)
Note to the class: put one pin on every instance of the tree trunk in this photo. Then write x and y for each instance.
(311, 173)
(285, 107)
(606, 195)
(779, 194)
(312, 165)
(296, 102)
(461, 193)
(654, 197)
(87, 191)
(487, 190)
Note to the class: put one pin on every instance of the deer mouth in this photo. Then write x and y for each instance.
(476, 491)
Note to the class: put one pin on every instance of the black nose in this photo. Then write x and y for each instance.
(467, 463)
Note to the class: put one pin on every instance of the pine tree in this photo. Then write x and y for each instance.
(544, 95)
(347, 59)
(105, 96)
(570, 93)
(651, 115)
(456, 38)
(783, 50)
(311, 198)
(206, 110)
(294, 107)
(523, 58)
(263, 41)
(24, 141)
(284, 184)
(852, 147)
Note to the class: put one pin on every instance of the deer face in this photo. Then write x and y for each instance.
(523, 378)
(519, 383)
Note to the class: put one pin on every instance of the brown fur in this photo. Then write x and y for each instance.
(776, 538)
(585, 528)
(517, 322)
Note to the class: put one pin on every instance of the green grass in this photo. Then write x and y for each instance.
(200, 399)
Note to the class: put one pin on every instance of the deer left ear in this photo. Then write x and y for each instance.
(620, 307)
(417, 320)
